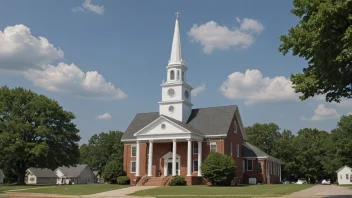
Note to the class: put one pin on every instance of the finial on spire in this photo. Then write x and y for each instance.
(177, 14)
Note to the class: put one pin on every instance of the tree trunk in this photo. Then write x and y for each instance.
(20, 178)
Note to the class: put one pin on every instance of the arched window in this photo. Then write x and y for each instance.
(183, 76)
(172, 75)
(178, 74)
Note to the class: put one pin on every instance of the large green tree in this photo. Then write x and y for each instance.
(101, 149)
(35, 131)
(263, 135)
(323, 37)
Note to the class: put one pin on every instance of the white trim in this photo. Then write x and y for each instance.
(220, 135)
(193, 147)
(252, 164)
(134, 166)
(211, 144)
(182, 136)
(133, 145)
(194, 165)
(261, 167)
(231, 148)
(176, 101)
(235, 126)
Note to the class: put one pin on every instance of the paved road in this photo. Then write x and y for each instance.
(323, 191)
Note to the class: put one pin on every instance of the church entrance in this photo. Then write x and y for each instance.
(168, 164)
(169, 168)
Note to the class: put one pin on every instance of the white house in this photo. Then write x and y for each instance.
(2, 176)
(40, 176)
(78, 174)
(344, 175)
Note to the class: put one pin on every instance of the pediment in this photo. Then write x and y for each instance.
(162, 126)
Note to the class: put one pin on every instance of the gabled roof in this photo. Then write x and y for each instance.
(72, 171)
(251, 151)
(96, 172)
(42, 172)
(343, 168)
(206, 121)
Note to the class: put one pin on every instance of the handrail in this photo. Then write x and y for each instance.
(165, 180)
(141, 181)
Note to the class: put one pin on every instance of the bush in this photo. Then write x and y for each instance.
(123, 180)
(178, 181)
(218, 169)
(113, 170)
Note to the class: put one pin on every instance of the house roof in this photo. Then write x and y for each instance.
(249, 150)
(72, 171)
(206, 121)
(343, 168)
(96, 172)
(42, 172)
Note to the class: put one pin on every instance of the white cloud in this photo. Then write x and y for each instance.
(323, 113)
(198, 89)
(88, 6)
(344, 103)
(19, 50)
(214, 36)
(252, 87)
(70, 79)
(349, 113)
(105, 116)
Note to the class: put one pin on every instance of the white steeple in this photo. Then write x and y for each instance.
(176, 93)
(176, 53)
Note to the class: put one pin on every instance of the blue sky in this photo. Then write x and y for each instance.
(108, 58)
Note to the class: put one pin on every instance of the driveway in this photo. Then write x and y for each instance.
(322, 191)
(123, 192)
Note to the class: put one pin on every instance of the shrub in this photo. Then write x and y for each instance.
(178, 181)
(123, 180)
(113, 170)
(219, 169)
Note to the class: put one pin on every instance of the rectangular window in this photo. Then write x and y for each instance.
(231, 148)
(195, 147)
(260, 168)
(133, 150)
(243, 166)
(195, 165)
(238, 150)
(133, 166)
(212, 147)
(249, 165)
(178, 74)
(31, 179)
(346, 176)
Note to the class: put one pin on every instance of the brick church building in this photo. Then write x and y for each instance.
(175, 140)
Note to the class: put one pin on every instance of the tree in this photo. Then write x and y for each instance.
(35, 131)
(219, 169)
(263, 135)
(113, 170)
(323, 37)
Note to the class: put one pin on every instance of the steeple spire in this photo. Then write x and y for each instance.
(176, 54)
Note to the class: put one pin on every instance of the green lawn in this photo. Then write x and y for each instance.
(4, 188)
(77, 189)
(257, 190)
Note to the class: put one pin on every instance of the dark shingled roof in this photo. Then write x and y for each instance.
(206, 121)
(72, 171)
(248, 150)
(42, 172)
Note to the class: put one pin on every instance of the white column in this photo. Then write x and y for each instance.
(199, 157)
(173, 157)
(137, 159)
(150, 160)
(189, 158)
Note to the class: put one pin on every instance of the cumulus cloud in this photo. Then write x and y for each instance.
(24, 54)
(253, 88)
(70, 78)
(323, 113)
(88, 6)
(105, 116)
(19, 50)
(212, 36)
(198, 89)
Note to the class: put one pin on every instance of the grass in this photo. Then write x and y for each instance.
(245, 191)
(77, 189)
(4, 188)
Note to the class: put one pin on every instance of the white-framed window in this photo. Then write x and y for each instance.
(249, 165)
(212, 147)
(260, 170)
(235, 126)
(172, 75)
(31, 179)
(178, 74)
(230, 148)
(195, 165)
(195, 147)
(133, 150)
(346, 176)
(133, 166)
(238, 150)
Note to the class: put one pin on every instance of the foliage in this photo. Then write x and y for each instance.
(112, 171)
(219, 169)
(263, 135)
(35, 131)
(123, 180)
(178, 181)
(323, 37)
(101, 149)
